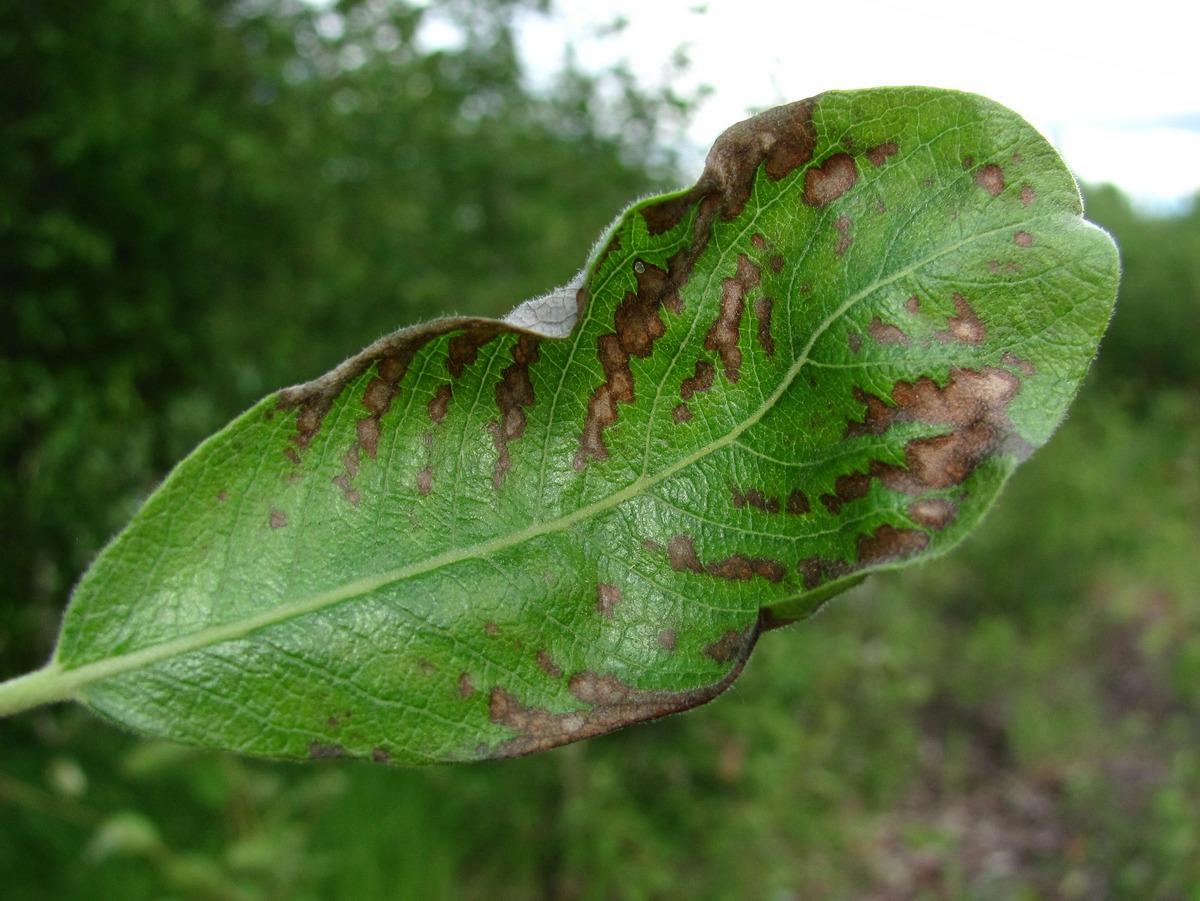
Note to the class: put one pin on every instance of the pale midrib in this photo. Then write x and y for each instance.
(69, 682)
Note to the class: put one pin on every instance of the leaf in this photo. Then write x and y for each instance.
(480, 538)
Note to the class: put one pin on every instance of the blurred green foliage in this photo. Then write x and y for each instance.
(202, 201)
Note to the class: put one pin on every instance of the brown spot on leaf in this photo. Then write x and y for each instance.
(491, 628)
(702, 380)
(440, 403)
(425, 481)
(816, 571)
(878, 155)
(776, 263)
(797, 503)
(756, 499)
(681, 553)
(933, 513)
(1023, 239)
(607, 598)
(1025, 367)
(973, 403)
(427, 668)
(725, 648)
(222, 496)
(991, 179)
(763, 307)
(913, 304)
(681, 413)
(332, 722)
(968, 162)
(723, 336)
(965, 326)
(666, 214)
(610, 704)
(842, 224)
(886, 334)
(466, 685)
(638, 324)
(666, 639)
(1028, 195)
(367, 431)
(850, 487)
(463, 349)
(826, 183)
(855, 341)
(514, 392)
(548, 666)
(318, 751)
(380, 755)
(277, 519)
(888, 543)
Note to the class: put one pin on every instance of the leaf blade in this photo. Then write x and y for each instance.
(822, 360)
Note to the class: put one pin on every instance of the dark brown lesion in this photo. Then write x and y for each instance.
(973, 403)
(878, 155)
(964, 326)
(826, 183)
(763, 308)
(700, 380)
(886, 333)
(842, 225)
(547, 664)
(991, 179)
(682, 556)
(514, 392)
(816, 570)
(753, 497)
(607, 599)
(638, 324)
(780, 140)
(722, 337)
(439, 404)
(609, 703)
(681, 413)
(888, 543)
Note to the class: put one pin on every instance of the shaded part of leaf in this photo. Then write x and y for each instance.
(612, 704)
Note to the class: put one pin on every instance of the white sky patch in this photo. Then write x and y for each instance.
(1116, 89)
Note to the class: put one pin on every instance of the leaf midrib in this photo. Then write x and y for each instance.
(72, 681)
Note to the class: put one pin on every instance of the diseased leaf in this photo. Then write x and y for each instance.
(480, 538)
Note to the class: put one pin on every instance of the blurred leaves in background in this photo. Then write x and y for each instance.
(202, 201)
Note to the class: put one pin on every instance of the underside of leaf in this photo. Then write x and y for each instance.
(483, 538)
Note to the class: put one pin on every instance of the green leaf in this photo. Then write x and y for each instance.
(481, 538)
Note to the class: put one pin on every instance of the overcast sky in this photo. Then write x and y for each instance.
(1117, 92)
